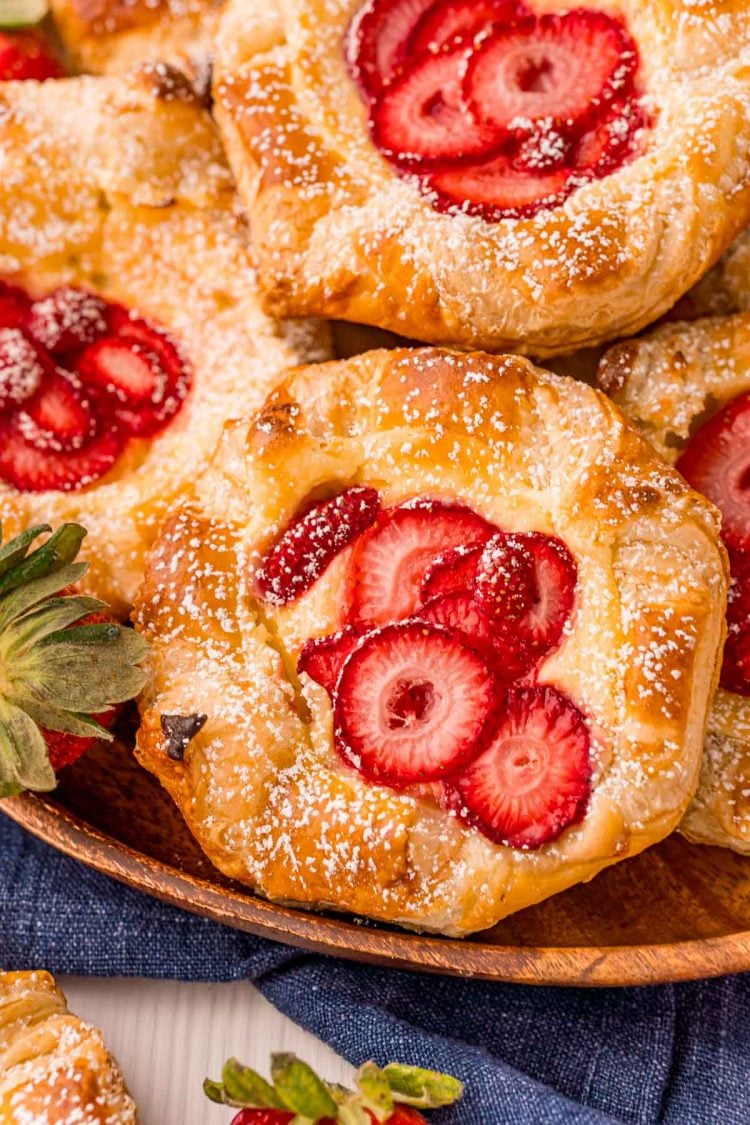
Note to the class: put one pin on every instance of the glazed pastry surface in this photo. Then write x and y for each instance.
(103, 37)
(670, 383)
(338, 233)
(260, 784)
(54, 1068)
(119, 185)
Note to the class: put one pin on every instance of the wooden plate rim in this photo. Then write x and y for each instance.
(589, 966)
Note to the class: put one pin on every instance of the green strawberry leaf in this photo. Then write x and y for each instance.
(300, 1089)
(376, 1093)
(426, 1089)
(246, 1087)
(14, 552)
(24, 763)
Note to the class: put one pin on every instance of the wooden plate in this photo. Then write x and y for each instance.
(675, 913)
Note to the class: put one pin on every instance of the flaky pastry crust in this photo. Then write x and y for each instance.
(261, 786)
(669, 383)
(120, 185)
(112, 36)
(339, 234)
(54, 1068)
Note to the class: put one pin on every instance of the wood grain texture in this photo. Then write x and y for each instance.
(677, 912)
(168, 1036)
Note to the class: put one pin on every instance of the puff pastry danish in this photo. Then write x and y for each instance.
(514, 604)
(54, 1068)
(686, 386)
(111, 36)
(117, 212)
(494, 174)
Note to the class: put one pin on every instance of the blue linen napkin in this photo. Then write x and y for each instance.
(529, 1056)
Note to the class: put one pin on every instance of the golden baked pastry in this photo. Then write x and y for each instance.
(495, 175)
(111, 36)
(117, 188)
(685, 386)
(725, 289)
(483, 563)
(54, 1068)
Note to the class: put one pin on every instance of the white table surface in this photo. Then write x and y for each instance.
(168, 1036)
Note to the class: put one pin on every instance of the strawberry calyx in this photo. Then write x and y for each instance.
(65, 664)
(79, 377)
(393, 1093)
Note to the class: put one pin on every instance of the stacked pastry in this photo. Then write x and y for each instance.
(434, 632)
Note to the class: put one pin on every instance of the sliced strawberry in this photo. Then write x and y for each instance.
(422, 116)
(505, 582)
(451, 571)
(22, 368)
(58, 417)
(545, 149)
(509, 656)
(376, 39)
(494, 189)
(613, 140)
(67, 319)
(389, 564)
(542, 625)
(448, 21)
(33, 470)
(24, 55)
(412, 704)
(304, 550)
(145, 397)
(15, 306)
(558, 67)
(717, 463)
(322, 658)
(735, 670)
(534, 779)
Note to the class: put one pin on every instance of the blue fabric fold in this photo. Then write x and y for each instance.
(529, 1056)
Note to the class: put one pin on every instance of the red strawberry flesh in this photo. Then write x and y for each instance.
(507, 653)
(68, 319)
(452, 571)
(389, 564)
(450, 20)
(505, 582)
(58, 417)
(494, 189)
(22, 368)
(376, 39)
(143, 395)
(26, 55)
(558, 67)
(31, 469)
(263, 1117)
(322, 658)
(717, 463)
(735, 669)
(542, 625)
(412, 704)
(534, 779)
(15, 306)
(305, 549)
(422, 116)
(612, 140)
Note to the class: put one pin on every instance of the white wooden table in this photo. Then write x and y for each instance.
(168, 1036)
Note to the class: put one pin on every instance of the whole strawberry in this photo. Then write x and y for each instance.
(386, 1096)
(27, 55)
(65, 665)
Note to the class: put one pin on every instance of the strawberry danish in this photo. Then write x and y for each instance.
(505, 174)
(687, 387)
(129, 323)
(434, 640)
